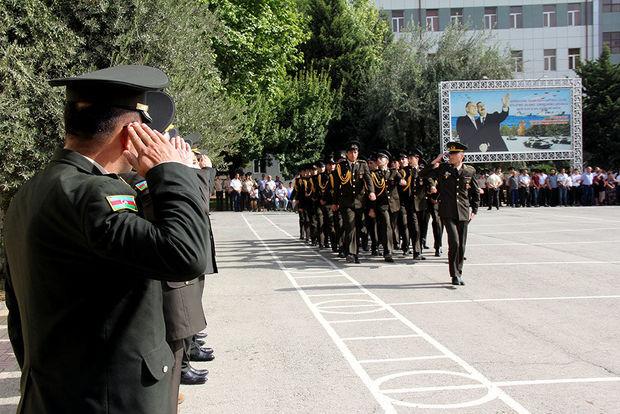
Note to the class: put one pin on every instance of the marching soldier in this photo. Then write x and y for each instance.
(415, 203)
(296, 196)
(325, 204)
(387, 204)
(370, 217)
(320, 183)
(404, 194)
(459, 198)
(433, 208)
(351, 176)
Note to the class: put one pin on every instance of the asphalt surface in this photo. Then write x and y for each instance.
(535, 329)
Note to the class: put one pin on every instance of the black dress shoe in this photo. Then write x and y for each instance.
(201, 355)
(425, 247)
(350, 258)
(388, 259)
(455, 281)
(203, 372)
(418, 257)
(200, 342)
(374, 252)
(438, 252)
(356, 259)
(191, 378)
(341, 255)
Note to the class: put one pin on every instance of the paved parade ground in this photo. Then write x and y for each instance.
(536, 328)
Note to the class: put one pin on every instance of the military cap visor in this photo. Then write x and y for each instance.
(455, 147)
(415, 152)
(384, 154)
(124, 86)
(353, 145)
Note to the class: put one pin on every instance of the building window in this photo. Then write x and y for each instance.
(398, 21)
(611, 6)
(456, 16)
(516, 17)
(490, 17)
(574, 14)
(517, 60)
(573, 58)
(432, 20)
(549, 17)
(550, 59)
(612, 40)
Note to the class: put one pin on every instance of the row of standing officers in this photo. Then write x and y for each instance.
(389, 201)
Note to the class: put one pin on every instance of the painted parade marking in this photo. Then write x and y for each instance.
(387, 403)
(505, 300)
(368, 338)
(546, 231)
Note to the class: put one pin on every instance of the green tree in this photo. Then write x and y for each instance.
(307, 105)
(259, 43)
(402, 97)
(348, 39)
(601, 109)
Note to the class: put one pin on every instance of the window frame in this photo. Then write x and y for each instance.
(552, 60)
(490, 19)
(516, 18)
(550, 17)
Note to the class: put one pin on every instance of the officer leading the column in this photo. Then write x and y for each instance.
(459, 198)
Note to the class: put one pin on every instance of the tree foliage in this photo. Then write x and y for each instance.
(601, 110)
(402, 97)
(347, 42)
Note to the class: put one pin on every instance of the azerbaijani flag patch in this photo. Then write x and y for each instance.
(122, 202)
(142, 185)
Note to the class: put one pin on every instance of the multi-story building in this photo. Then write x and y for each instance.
(545, 37)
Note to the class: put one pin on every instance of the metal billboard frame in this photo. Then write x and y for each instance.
(575, 155)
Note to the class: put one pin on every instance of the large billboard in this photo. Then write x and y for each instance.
(506, 120)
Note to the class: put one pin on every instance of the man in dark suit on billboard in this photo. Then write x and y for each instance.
(489, 135)
(467, 126)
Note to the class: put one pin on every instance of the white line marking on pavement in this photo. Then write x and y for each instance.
(501, 384)
(316, 277)
(421, 358)
(541, 243)
(504, 300)
(511, 263)
(364, 338)
(9, 401)
(348, 355)
(364, 320)
(494, 391)
(326, 284)
(321, 295)
(10, 374)
(546, 231)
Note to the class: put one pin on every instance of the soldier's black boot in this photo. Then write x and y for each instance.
(455, 281)
(388, 258)
(438, 252)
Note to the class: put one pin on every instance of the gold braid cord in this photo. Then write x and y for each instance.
(310, 185)
(379, 184)
(408, 180)
(347, 177)
(322, 187)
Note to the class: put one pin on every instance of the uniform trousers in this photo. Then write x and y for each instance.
(178, 349)
(414, 230)
(436, 224)
(423, 218)
(371, 227)
(403, 229)
(457, 238)
(351, 220)
(385, 229)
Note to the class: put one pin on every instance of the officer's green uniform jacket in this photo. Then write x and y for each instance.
(458, 190)
(85, 317)
(352, 184)
(182, 301)
(386, 183)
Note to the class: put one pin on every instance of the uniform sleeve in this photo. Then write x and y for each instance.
(368, 179)
(474, 194)
(14, 325)
(172, 247)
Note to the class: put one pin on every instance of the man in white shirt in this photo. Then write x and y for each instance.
(543, 193)
(587, 192)
(575, 187)
(524, 188)
(494, 182)
(236, 185)
(563, 188)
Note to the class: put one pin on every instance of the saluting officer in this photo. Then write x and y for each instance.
(83, 283)
(351, 182)
(459, 198)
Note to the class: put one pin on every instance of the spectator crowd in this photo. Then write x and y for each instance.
(244, 193)
(522, 188)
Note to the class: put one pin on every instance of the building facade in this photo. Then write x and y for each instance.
(544, 37)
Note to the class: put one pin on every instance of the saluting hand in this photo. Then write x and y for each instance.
(184, 149)
(151, 147)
